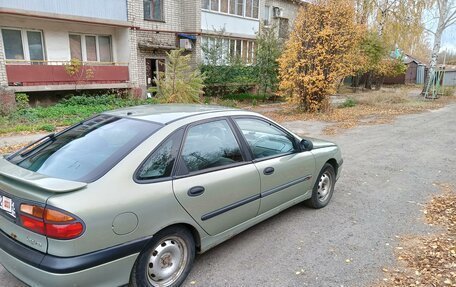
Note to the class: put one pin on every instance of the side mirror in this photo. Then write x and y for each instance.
(306, 145)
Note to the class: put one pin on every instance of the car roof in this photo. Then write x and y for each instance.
(167, 113)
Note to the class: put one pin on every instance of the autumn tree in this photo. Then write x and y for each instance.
(320, 51)
(180, 83)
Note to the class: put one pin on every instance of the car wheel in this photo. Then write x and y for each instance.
(166, 260)
(323, 188)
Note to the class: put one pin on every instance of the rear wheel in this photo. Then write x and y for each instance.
(166, 260)
(323, 188)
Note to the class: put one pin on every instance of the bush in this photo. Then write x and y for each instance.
(48, 128)
(449, 92)
(349, 103)
(229, 79)
(22, 101)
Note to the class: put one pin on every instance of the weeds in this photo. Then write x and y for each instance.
(67, 112)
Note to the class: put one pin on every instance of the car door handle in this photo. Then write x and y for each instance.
(268, 171)
(195, 191)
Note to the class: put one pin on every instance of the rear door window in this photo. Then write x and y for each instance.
(86, 151)
(160, 163)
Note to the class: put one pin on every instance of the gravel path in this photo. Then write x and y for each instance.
(388, 173)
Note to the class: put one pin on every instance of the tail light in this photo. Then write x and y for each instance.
(50, 222)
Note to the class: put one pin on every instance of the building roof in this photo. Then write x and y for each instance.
(166, 113)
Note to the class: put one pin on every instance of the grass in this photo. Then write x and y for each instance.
(65, 113)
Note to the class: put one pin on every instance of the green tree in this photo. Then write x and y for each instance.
(268, 51)
(180, 83)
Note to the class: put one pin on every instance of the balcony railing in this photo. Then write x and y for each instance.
(36, 73)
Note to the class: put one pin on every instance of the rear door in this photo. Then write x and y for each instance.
(285, 171)
(215, 183)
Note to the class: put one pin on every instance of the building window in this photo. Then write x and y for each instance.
(76, 47)
(224, 6)
(13, 44)
(153, 10)
(105, 48)
(23, 45)
(247, 8)
(35, 45)
(283, 28)
(267, 15)
(223, 51)
(91, 48)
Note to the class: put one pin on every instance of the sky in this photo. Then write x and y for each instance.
(449, 39)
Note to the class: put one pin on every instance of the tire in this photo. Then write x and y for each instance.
(166, 260)
(323, 188)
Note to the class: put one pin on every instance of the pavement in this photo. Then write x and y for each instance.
(387, 176)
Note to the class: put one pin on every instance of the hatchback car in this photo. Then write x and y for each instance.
(130, 196)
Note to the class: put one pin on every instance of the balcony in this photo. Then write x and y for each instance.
(58, 75)
(114, 10)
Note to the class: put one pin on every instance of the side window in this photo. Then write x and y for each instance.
(210, 145)
(264, 139)
(160, 163)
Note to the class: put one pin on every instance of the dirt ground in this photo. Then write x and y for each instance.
(388, 175)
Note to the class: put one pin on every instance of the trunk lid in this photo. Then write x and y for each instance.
(17, 186)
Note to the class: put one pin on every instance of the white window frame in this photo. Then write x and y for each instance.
(84, 47)
(234, 13)
(25, 44)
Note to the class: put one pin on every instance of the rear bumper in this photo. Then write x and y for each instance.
(39, 269)
(115, 273)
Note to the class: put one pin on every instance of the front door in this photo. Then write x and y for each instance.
(154, 67)
(285, 171)
(214, 184)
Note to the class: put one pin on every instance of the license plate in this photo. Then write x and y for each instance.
(7, 205)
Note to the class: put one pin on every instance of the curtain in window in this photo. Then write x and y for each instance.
(248, 8)
(104, 43)
(75, 47)
(255, 8)
(224, 6)
(232, 6)
(214, 5)
(205, 4)
(153, 9)
(157, 9)
(91, 48)
(240, 7)
(12, 41)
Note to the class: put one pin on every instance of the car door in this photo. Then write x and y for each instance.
(214, 182)
(284, 169)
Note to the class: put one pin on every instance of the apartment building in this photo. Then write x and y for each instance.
(39, 38)
(123, 43)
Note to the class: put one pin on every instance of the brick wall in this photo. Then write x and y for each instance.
(178, 17)
(3, 79)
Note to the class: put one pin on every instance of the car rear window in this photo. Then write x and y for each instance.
(86, 151)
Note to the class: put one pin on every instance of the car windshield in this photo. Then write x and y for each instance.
(86, 151)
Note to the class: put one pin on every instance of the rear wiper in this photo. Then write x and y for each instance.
(29, 148)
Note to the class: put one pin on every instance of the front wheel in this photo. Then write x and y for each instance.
(166, 260)
(323, 188)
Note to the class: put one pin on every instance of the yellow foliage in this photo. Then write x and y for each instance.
(320, 52)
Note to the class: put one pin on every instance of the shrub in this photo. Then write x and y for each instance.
(228, 79)
(48, 128)
(349, 103)
(22, 101)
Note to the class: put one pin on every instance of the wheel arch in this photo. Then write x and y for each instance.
(334, 164)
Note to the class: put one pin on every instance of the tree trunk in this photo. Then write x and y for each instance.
(430, 77)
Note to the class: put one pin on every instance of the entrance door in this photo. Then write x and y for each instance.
(153, 69)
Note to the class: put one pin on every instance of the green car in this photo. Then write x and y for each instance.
(130, 196)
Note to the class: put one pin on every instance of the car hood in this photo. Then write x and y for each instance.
(318, 143)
